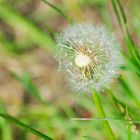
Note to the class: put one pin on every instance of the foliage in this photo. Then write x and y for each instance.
(43, 108)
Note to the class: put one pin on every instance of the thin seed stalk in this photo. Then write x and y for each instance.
(101, 113)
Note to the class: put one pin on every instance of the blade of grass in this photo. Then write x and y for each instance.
(123, 21)
(106, 119)
(120, 105)
(132, 65)
(58, 10)
(129, 92)
(102, 114)
(132, 48)
(29, 86)
(116, 102)
(18, 21)
(25, 126)
(129, 131)
(128, 125)
(122, 11)
(116, 12)
(5, 128)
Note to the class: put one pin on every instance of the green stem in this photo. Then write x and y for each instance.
(102, 115)
(129, 131)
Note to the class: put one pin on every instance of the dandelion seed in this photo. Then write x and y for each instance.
(90, 56)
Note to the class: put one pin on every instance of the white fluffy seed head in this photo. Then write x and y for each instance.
(90, 56)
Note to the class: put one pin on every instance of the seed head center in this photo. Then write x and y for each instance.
(82, 60)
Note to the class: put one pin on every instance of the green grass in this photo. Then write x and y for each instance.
(113, 115)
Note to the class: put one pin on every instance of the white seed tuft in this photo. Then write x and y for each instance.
(90, 56)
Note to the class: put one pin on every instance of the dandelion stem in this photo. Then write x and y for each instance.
(101, 113)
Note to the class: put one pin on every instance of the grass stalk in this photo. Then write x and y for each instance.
(101, 113)
(24, 126)
(58, 10)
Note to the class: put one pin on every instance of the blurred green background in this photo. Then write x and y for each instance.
(33, 91)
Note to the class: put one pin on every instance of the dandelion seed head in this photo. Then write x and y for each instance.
(90, 56)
